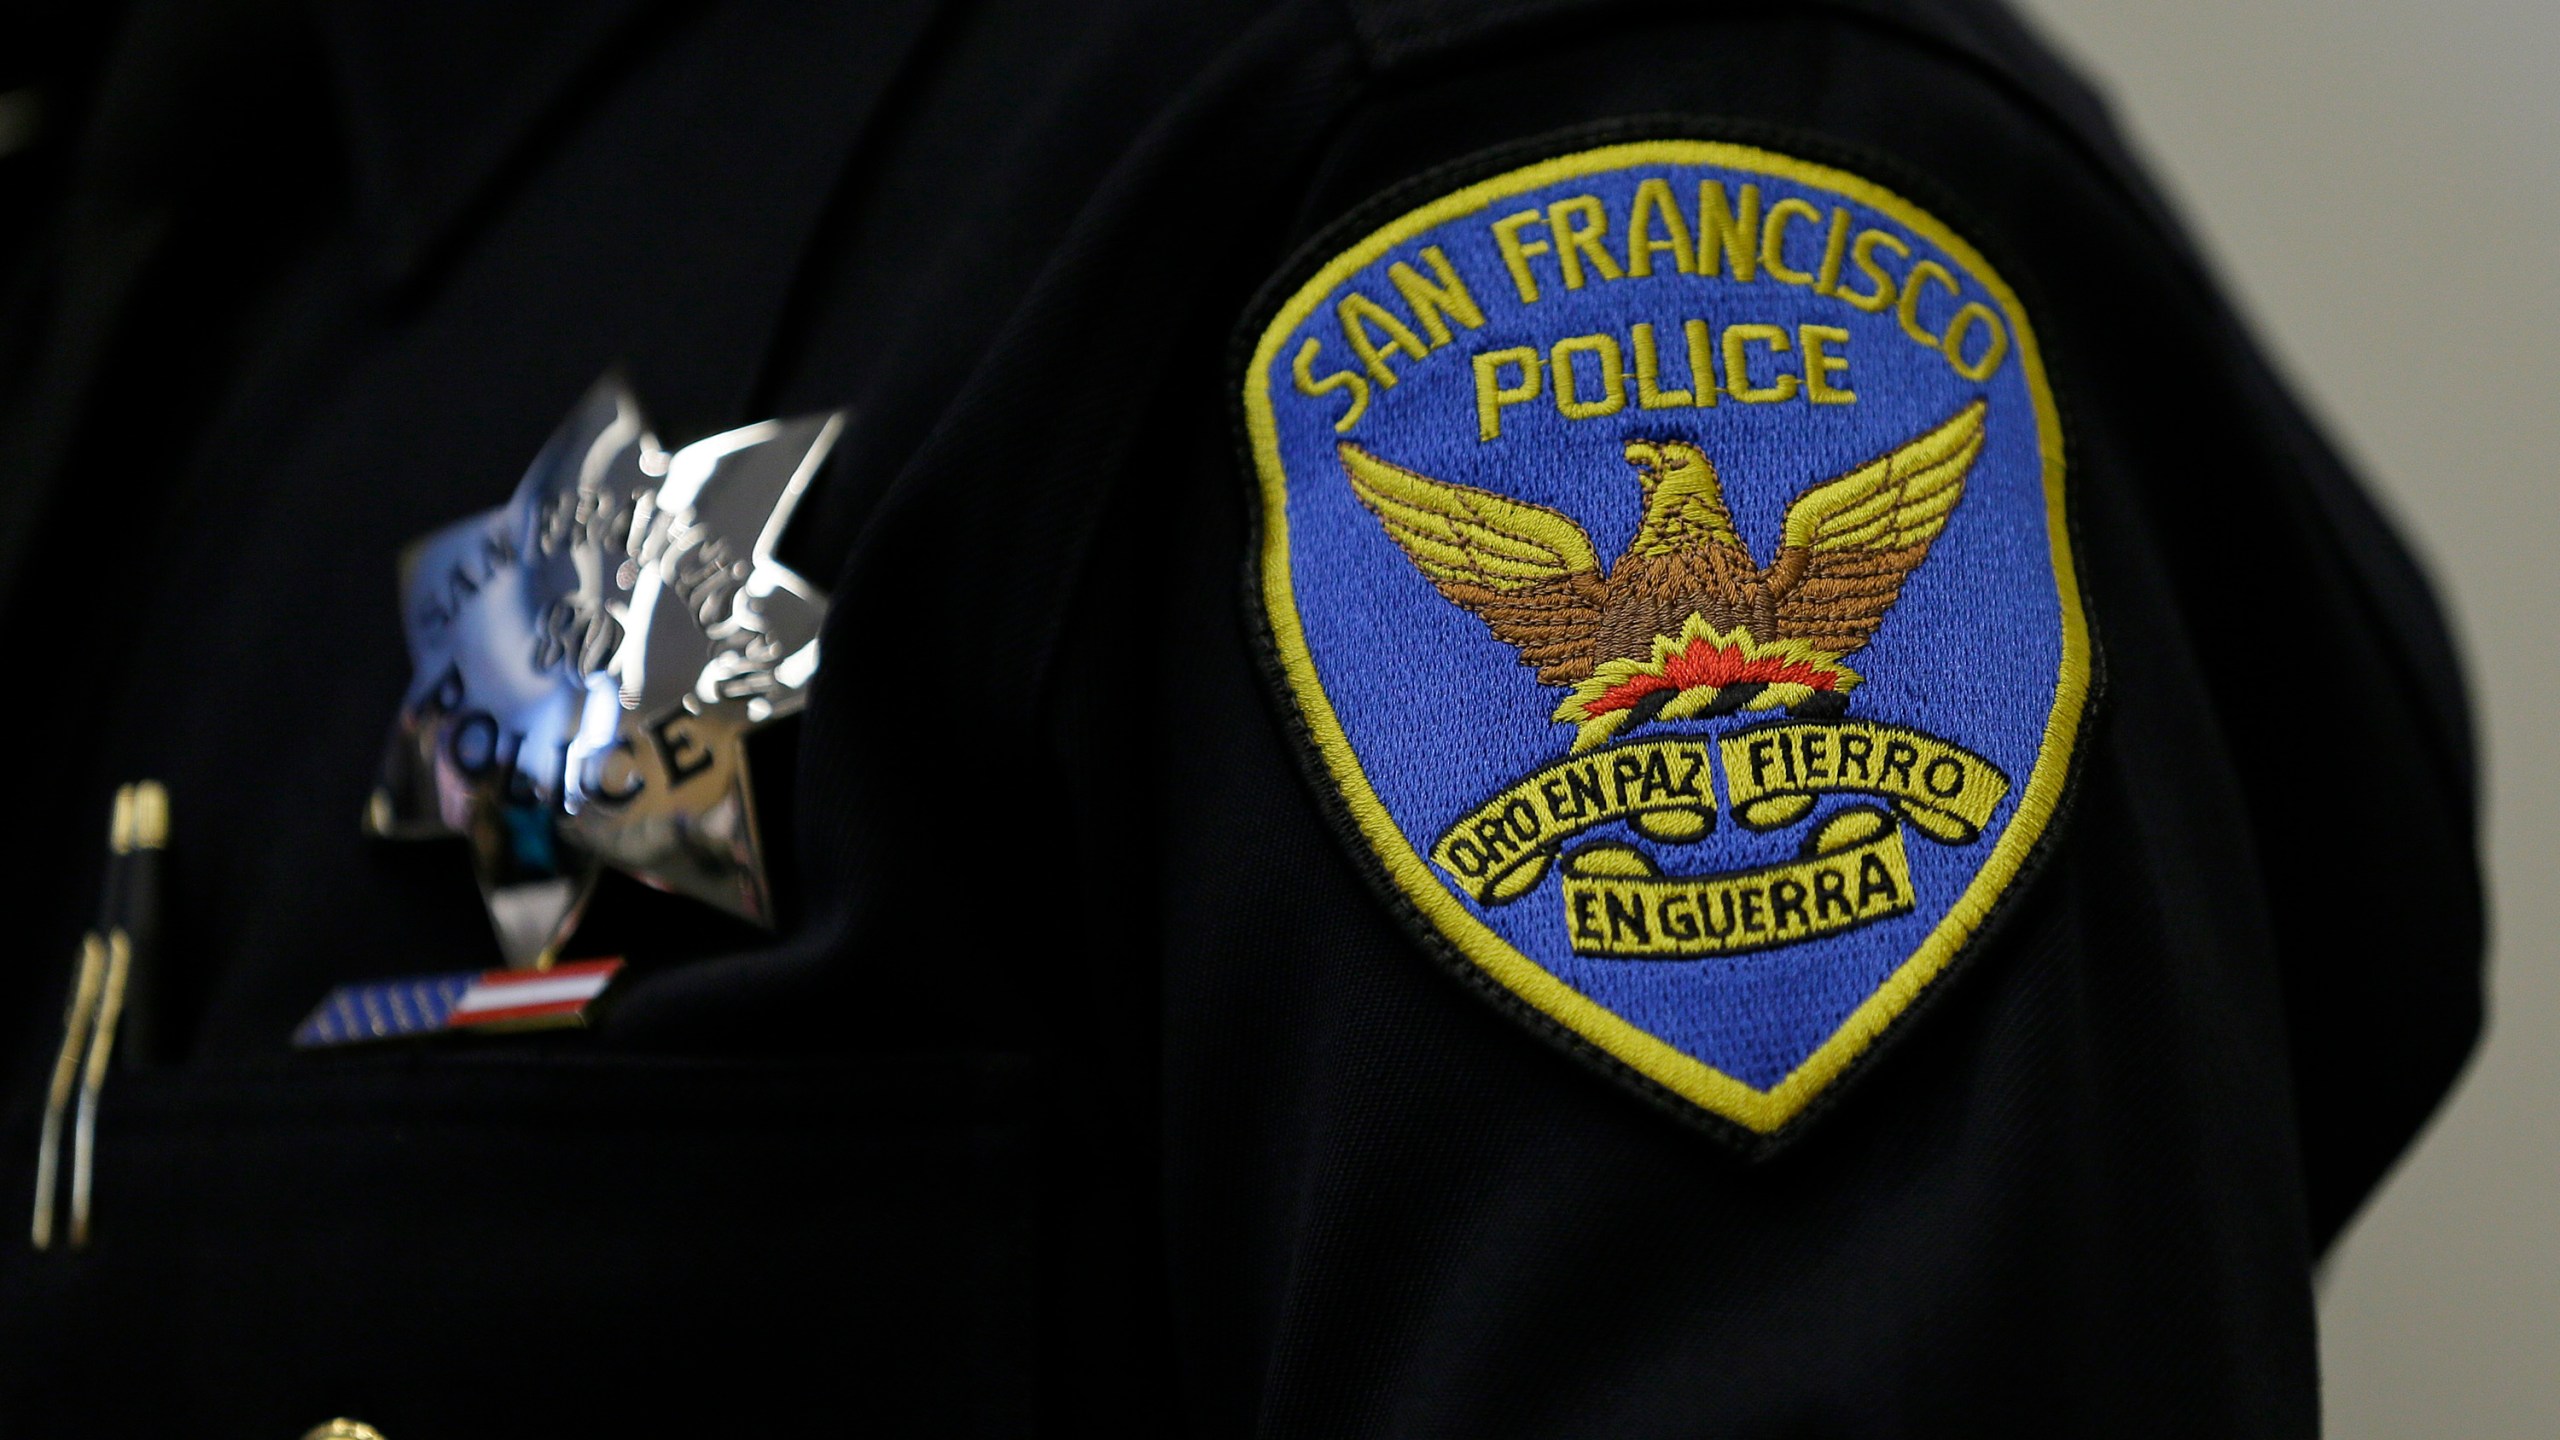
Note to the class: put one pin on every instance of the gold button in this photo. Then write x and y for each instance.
(342, 1429)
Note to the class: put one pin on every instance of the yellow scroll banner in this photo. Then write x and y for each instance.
(1774, 773)
(1502, 847)
(1852, 872)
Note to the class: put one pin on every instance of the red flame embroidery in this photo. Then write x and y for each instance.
(1708, 664)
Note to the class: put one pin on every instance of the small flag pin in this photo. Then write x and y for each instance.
(486, 1000)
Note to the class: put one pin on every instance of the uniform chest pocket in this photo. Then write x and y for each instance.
(488, 1245)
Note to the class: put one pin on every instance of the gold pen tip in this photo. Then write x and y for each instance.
(120, 822)
(150, 815)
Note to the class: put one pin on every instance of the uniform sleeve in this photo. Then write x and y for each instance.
(2083, 1184)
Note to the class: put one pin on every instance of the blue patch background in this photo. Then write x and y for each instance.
(1441, 714)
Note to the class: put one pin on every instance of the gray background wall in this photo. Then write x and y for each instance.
(2380, 184)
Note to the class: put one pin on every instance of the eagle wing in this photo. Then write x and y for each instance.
(1850, 543)
(1527, 571)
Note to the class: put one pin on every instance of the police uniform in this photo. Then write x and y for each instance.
(1190, 999)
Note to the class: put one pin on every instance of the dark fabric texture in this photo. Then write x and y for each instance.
(1186, 1137)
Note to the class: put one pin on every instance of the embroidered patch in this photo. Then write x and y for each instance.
(1664, 546)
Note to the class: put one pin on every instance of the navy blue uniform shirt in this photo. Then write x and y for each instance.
(1090, 1086)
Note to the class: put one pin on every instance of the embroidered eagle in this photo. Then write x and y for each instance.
(1686, 622)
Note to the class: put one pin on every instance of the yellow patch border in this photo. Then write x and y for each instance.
(1762, 1111)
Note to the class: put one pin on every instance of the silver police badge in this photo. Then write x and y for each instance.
(590, 658)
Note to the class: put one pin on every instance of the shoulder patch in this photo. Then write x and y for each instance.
(1663, 545)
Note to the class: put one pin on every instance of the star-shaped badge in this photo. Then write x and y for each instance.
(590, 658)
